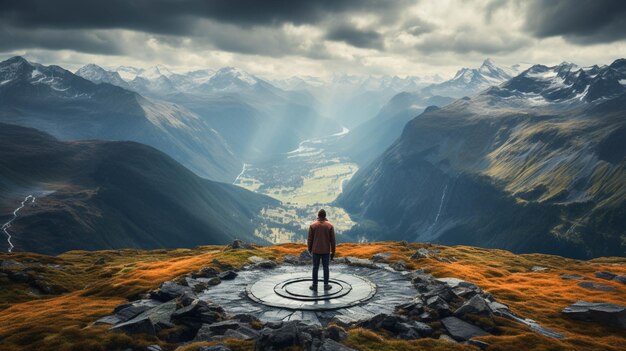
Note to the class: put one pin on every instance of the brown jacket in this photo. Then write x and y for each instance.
(321, 237)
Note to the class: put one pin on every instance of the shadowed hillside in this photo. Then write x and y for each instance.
(114, 194)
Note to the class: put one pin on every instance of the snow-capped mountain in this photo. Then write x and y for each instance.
(298, 82)
(232, 79)
(546, 150)
(565, 83)
(98, 75)
(54, 100)
(469, 81)
(17, 73)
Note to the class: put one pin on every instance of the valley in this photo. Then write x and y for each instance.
(303, 180)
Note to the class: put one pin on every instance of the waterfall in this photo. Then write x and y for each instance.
(7, 225)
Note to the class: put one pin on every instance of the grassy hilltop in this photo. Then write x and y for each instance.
(83, 286)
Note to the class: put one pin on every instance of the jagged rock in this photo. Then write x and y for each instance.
(336, 333)
(596, 286)
(249, 333)
(601, 312)
(220, 328)
(461, 330)
(100, 261)
(381, 257)
(111, 320)
(204, 333)
(274, 324)
(438, 304)
(495, 306)
(480, 344)
(572, 277)
(459, 283)
(130, 310)
(228, 275)
(413, 307)
(342, 321)
(305, 256)
(200, 287)
(399, 265)
(214, 281)
(291, 259)
(427, 316)
(246, 318)
(206, 272)
(276, 339)
(441, 290)
(620, 278)
(146, 321)
(420, 279)
(236, 334)
(261, 262)
(219, 347)
(197, 313)
(332, 345)
(361, 262)
(420, 253)
(475, 305)
(169, 290)
(605, 275)
(398, 325)
(464, 293)
(239, 245)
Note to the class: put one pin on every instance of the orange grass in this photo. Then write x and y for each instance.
(63, 322)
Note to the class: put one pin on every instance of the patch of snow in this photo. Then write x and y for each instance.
(35, 73)
(5, 81)
(582, 95)
(622, 81)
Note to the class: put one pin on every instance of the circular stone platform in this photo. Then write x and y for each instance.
(280, 294)
(291, 291)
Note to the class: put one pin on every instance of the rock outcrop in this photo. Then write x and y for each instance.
(599, 312)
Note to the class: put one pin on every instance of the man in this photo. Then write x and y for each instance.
(321, 243)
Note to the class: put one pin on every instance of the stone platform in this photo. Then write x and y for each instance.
(283, 293)
(291, 291)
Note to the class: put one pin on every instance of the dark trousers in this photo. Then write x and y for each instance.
(316, 267)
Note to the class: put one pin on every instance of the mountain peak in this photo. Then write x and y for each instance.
(90, 67)
(488, 63)
(15, 60)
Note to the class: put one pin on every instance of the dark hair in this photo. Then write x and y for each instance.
(321, 213)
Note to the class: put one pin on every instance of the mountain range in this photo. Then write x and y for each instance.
(255, 118)
(70, 107)
(536, 164)
(365, 142)
(108, 194)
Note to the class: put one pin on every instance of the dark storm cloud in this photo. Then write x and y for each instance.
(83, 41)
(359, 38)
(175, 17)
(583, 22)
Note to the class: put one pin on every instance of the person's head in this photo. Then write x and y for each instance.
(321, 214)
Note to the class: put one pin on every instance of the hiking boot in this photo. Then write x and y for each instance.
(328, 287)
(313, 287)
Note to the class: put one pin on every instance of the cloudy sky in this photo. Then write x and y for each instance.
(279, 38)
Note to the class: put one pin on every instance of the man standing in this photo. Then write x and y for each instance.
(321, 243)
